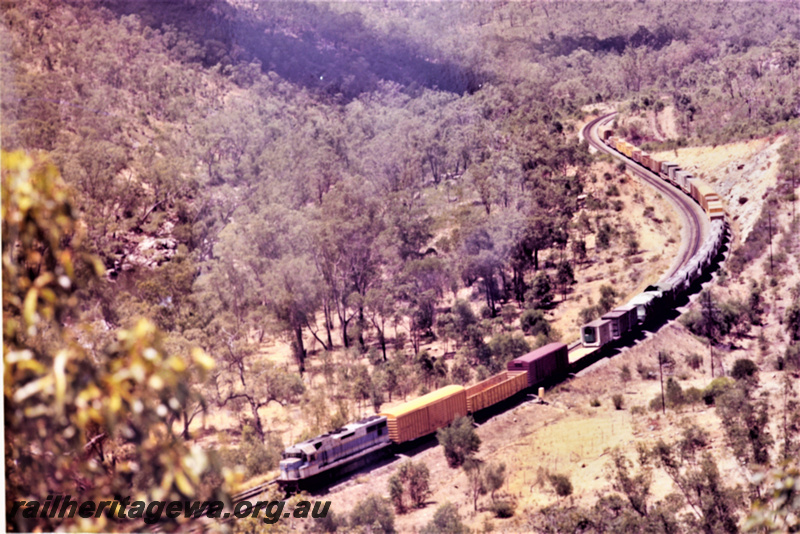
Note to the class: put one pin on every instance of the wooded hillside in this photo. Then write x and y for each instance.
(355, 179)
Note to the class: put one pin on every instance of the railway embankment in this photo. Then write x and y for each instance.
(742, 173)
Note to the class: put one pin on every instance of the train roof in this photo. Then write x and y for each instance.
(617, 312)
(642, 298)
(310, 445)
(596, 322)
(704, 188)
(541, 352)
(433, 396)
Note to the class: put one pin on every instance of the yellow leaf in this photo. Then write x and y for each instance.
(176, 364)
(166, 482)
(31, 365)
(59, 367)
(49, 295)
(42, 280)
(115, 404)
(183, 484)
(32, 388)
(29, 307)
(202, 359)
(99, 268)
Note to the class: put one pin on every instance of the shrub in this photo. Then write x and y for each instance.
(694, 438)
(254, 455)
(373, 511)
(503, 508)
(792, 320)
(330, 522)
(715, 388)
(608, 296)
(446, 520)
(589, 313)
(637, 410)
(656, 403)
(459, 441)
(792, 357)
(625, 373)
(694, 360)
(561, 484)
(744, 368)
(533, 323)
(595, 402)
(540, 295)
(461, 371)
(692, 395)
(482, 373)
(618, 401)
(411, 480)
(632, 245)
(674, 393)
(645, 371)
(604, 234)
(506, 347)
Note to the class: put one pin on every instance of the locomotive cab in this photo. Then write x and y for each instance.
(292, 461)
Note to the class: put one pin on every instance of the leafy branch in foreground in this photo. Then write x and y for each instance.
(87, 423)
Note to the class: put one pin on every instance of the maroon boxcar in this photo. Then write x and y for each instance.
(543, 363)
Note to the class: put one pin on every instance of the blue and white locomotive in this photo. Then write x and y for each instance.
(328, 454)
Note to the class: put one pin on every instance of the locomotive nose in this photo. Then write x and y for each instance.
(290, 469)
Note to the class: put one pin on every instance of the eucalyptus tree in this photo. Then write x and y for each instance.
(346, 245)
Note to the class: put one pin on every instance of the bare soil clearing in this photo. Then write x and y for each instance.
(740, 172)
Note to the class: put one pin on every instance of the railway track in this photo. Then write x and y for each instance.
(195, 525)
(694, 228)
(693, 218)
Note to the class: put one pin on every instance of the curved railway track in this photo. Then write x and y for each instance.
(694, 228)
(692, 216)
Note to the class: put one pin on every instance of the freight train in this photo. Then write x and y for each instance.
(327, 457)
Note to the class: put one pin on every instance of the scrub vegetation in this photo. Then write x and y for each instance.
(289, 214)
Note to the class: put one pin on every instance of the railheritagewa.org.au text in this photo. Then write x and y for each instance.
(63, 506)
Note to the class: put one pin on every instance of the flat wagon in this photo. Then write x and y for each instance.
(495, 389)
(426, 414)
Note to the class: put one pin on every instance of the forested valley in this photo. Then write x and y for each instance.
(351, 181)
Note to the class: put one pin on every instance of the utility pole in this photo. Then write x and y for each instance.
(794, 197)
(661, 375)
(711, 355)
(708, 316)
(769, 222)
